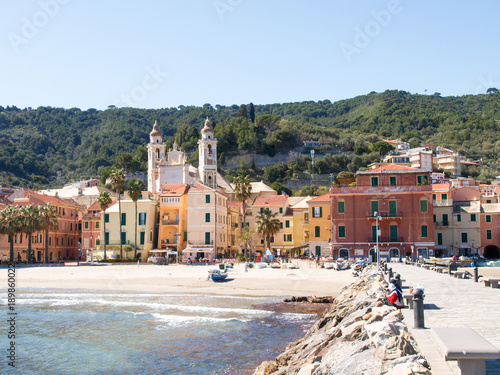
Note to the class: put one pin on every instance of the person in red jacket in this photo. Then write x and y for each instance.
(395, 296)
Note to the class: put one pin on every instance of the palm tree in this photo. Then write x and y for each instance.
(31, 220)
(10, 225)
(135, 191)
(246, 238)
(117, 177)
(48, 216)
(104, 200)
(243, 191)
(268, 225)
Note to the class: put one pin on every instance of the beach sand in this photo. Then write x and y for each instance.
(307, 280)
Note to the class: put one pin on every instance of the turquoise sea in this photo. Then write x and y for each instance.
(85, 332)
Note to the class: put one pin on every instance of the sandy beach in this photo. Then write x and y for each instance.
(305, 281)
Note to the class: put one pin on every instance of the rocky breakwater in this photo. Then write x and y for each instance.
(360, 334)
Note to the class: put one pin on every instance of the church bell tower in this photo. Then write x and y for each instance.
(207, 148)
(156, 153)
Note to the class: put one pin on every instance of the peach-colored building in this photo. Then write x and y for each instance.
(207, 224)
(63, 241)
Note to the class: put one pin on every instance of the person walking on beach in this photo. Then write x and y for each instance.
(395, 296)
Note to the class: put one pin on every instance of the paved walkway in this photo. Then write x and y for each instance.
(451, 302)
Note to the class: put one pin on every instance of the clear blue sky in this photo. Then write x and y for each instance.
(157, 54)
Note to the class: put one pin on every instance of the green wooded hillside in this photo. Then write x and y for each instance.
(51, 146)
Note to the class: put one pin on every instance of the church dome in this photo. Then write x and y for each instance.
(156, 131)
(207, 128)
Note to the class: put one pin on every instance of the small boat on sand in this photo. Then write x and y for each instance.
(217, 275)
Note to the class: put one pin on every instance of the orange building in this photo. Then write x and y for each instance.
(396, 196)
(63, 241)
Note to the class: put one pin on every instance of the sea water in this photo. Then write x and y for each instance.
(85, 332)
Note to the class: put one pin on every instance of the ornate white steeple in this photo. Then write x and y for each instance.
(207, 148)
(156, 153)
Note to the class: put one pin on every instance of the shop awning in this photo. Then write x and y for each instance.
(198, 250)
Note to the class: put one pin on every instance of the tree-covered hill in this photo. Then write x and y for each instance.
(51, 146)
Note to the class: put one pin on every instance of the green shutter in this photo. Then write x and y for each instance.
(341, 207)
(287, 223)
(440, 238)
(374, 205)
(317, 231)
(142, 238)
(423, 205)
(488, 218)
(207, 198)
(124, 238)
(321, 212)
(124, 218)
(341, 231)
(393, 208)
(207, 217)
(207, 238)
(424, 230)
(394, 233)
(106, 238)
(106, 218)
(393, 181)
(472, 217)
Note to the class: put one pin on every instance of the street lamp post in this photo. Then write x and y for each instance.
(412, 256)
(377, 233)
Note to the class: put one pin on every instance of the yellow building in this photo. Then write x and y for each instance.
(235, 226)
(320, 226)
(172, 229)
(300, 210)
(277, 204)
(122, 231)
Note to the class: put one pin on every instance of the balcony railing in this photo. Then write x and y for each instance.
(385, 214)
(170, 222)
(441, 224)
(442, 202)
(386, 239)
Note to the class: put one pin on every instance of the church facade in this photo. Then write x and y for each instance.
(172, 167)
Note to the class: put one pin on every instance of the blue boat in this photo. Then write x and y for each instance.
(217, 275)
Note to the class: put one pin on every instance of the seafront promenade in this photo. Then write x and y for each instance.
(451, 302)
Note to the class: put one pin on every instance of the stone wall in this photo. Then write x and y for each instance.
(359, 334)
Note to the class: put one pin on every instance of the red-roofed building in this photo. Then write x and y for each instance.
(401, 197)
(63, 241)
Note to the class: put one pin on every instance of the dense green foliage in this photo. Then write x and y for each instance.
(52, 146)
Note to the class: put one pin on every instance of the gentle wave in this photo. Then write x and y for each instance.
(176, 320)
(150, 305)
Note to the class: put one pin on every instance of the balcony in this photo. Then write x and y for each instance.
(442, 202)
(386, 239)
(170, 222)
(393, 214)
(441, 224)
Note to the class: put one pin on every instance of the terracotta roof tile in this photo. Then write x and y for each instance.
(271, 200)
(321, 198)
(174, 189)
